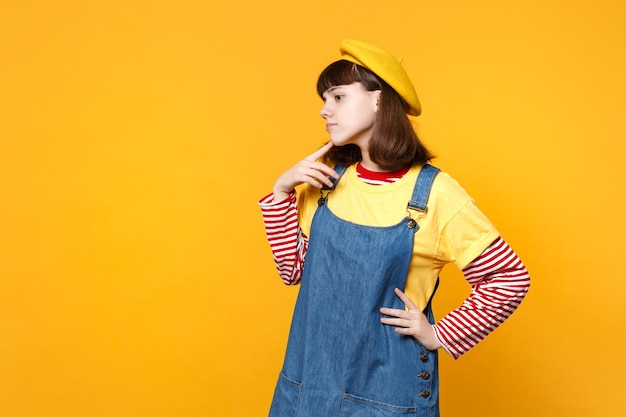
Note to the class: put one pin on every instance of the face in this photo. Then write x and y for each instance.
(349, 111)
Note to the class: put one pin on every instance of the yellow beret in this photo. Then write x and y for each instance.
(385, 66)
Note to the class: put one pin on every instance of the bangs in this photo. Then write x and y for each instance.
(345, 73)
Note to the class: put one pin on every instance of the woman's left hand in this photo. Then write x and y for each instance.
(411, 322)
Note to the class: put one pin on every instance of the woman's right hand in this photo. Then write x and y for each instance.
(308, 170)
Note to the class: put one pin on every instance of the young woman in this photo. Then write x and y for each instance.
(366, 239)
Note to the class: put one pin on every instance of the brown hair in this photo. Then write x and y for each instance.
(394, 143)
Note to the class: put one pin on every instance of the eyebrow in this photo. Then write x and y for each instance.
(331, 89)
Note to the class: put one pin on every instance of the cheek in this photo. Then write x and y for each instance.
(367, 116)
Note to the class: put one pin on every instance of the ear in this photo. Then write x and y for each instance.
(375, 98)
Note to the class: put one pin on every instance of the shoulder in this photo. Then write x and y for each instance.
(447, 192)
(464, 229)
(454, 209)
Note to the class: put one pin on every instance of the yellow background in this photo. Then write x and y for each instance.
(137, 136)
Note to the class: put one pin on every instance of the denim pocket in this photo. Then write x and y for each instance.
(354, 406)
(286, 397)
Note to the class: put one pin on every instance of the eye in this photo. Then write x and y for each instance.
(338, 97)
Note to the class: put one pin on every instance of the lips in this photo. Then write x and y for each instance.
(330, 125)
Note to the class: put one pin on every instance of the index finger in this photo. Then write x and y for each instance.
(320, 152)
(405, 299)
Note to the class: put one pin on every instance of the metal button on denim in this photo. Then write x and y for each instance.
(424, 394)
(424, 375)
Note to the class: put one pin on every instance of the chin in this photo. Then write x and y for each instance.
(340, 141)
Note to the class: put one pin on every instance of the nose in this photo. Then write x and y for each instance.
(325, 111)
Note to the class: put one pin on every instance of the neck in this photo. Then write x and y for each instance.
(370, 165)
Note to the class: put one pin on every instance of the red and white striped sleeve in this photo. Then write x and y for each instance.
(499, 283)
(288, 243)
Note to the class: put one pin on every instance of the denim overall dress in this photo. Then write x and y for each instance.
(341, 361)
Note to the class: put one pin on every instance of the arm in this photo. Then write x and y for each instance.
(286, 240)
(499, 282)
(280, 214)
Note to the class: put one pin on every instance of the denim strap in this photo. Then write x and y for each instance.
(422, 188)
(340, 169)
